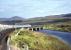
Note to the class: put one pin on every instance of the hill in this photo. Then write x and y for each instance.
(37, 41)
(49, 19)
(45, 19)
(11, 20)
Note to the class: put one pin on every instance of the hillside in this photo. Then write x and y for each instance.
(43, 20)
(11, 20)
(51, 18)
(37, 41)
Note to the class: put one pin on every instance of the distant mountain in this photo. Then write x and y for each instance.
(67, 15)
(45, 19)
(50, 19)
(16, 18)
(11, 20)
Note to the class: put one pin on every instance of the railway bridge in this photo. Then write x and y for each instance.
(5, 31)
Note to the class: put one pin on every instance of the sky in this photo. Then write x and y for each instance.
(33, 8)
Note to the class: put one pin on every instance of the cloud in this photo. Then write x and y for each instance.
(34, 7)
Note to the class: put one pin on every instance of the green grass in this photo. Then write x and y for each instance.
(37, 41)
(59, 27)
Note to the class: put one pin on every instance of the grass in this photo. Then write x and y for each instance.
(59, 27)
(37, 41)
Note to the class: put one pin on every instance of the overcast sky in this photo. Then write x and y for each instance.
(33, 8)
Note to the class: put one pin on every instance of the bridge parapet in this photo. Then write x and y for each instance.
(3, 27)
(30, 27)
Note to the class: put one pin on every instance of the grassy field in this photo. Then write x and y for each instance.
(66, 27)
(37, 41)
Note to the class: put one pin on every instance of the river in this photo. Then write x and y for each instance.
(66, 36)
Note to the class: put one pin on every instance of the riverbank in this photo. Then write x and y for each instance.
(66, 36)
(58, 27)
(37, 41)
